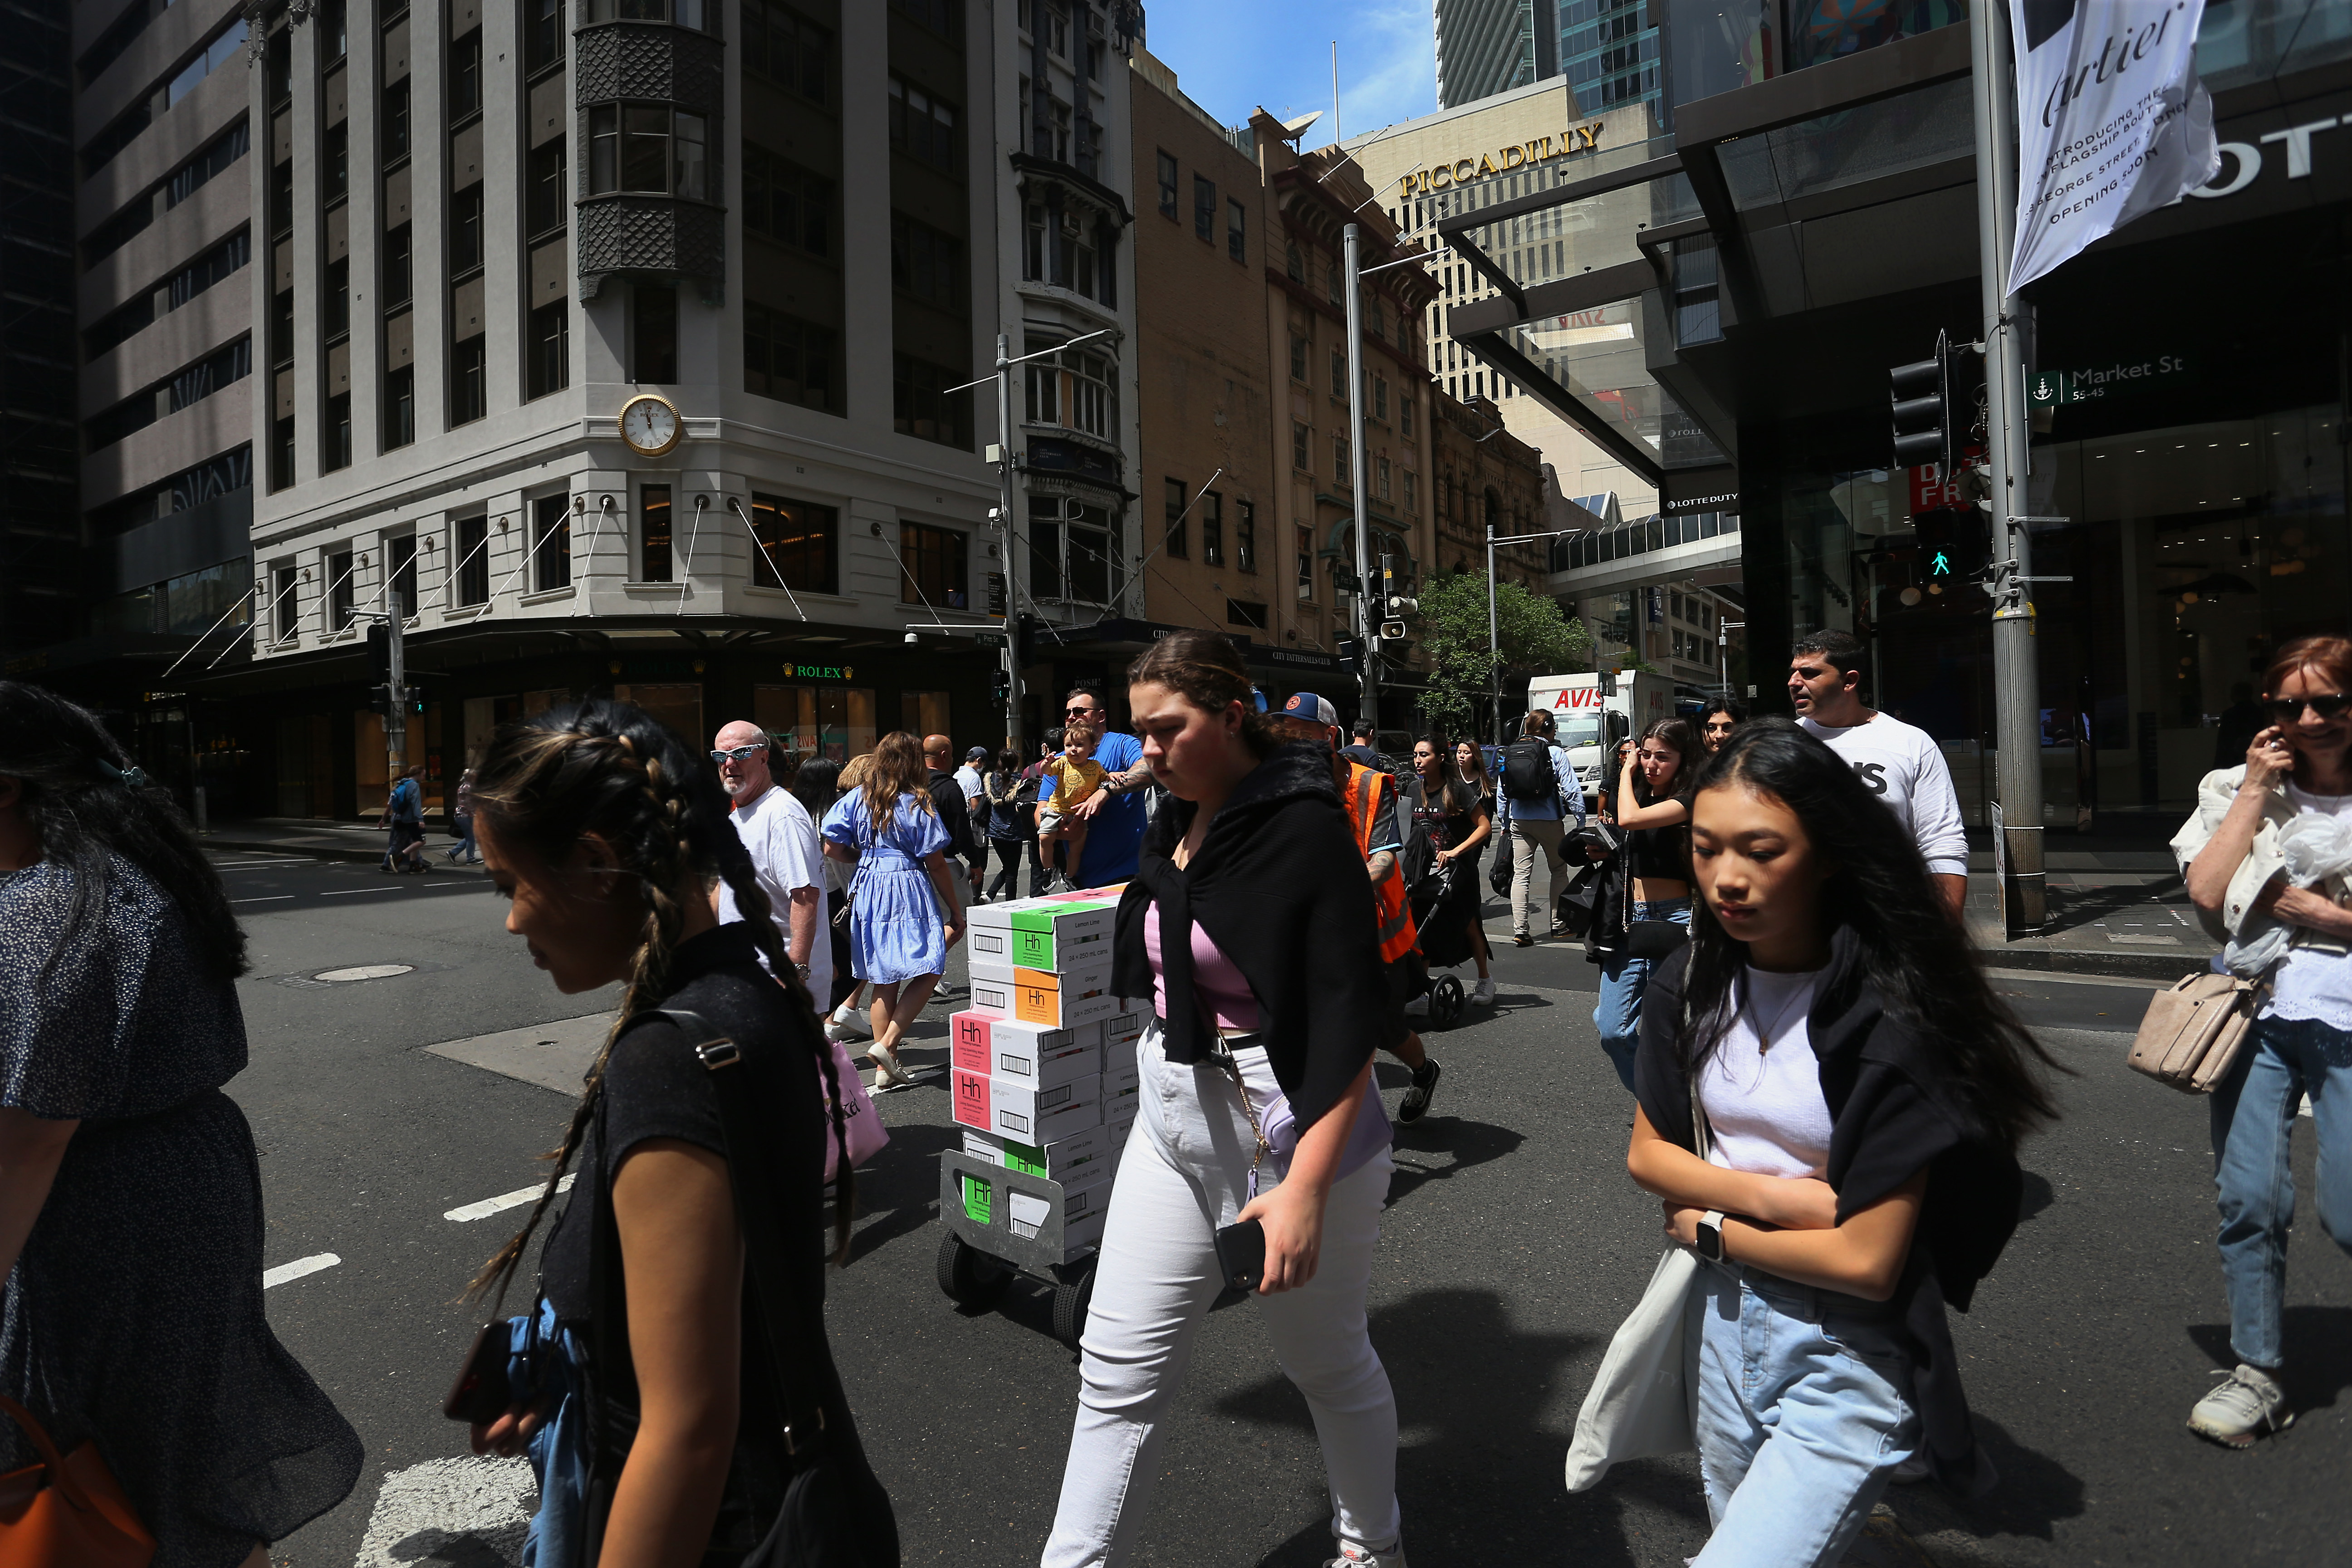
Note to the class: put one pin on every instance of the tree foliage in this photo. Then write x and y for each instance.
(1532, 633)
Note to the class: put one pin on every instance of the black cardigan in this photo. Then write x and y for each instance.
(1279, 886)
(1893, 1108)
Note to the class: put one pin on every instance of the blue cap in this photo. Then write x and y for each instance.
(1308, 706)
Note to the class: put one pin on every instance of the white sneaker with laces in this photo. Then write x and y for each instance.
(1483, 994)
(1417, 1008)
(1351, 1555)
(2247, 1403)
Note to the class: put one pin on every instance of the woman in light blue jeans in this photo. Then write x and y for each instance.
(1653, 805)
(1831, 1099)
(2264, 859)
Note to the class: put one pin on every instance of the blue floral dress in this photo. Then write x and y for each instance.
(896, 928)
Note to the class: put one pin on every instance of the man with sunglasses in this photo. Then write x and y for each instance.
(1901, 762)
(1114, 814)
(786, 853)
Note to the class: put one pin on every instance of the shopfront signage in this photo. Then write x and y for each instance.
(818, 671)
(2056, 388)
(1520, 155)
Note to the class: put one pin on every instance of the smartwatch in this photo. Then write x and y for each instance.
(1709, 1244)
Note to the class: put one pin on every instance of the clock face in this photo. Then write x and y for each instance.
(650, 425)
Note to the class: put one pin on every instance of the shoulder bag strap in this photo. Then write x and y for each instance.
(782, 1317)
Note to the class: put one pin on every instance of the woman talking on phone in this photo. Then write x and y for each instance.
(1251, 928)
(2294, 789)
(1860, 1093)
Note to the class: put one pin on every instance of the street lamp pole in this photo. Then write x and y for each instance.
(1369, 681)
(1494, 633)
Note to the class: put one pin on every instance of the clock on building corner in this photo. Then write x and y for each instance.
(651, 425)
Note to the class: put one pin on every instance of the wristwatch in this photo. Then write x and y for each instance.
(1710, 1235)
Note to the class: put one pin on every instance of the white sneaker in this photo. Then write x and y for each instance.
(1483, 994)
(1354, 1556)
(846, 1023)
(1417, 1008)
(2248, 1403)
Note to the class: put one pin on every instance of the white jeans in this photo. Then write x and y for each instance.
(1186, 1173)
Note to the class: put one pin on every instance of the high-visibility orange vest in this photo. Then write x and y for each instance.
(1366, 789)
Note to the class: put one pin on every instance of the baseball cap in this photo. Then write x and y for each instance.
(1308, 706)
(976, 753)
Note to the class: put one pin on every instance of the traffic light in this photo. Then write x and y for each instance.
(379, 698)
(415, 699)
(1923, 396)
(1021, 633)
(1004, 686)
(1351, 654)
(379, 652)
(1954, 547)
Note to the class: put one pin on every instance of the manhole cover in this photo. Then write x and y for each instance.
(365, 972)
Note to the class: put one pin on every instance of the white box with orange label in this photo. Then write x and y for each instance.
(1032, 1115)
(1053, 1001)
(1028, 1054)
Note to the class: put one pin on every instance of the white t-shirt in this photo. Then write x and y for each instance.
(967, 779)
(1903, 766)
(2307, 983)
(1761, 1087)
(787, 854)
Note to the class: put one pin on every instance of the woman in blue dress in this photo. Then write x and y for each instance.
(904, 910)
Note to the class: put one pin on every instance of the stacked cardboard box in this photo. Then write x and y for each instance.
(1042, 1067)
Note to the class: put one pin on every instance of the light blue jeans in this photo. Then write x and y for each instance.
(1804, 1410)
(2253, 1123)
(1623, 980)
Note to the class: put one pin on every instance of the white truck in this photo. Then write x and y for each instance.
(1594, 711)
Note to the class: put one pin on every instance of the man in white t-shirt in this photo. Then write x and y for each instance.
(1900, 762)
(786, 854)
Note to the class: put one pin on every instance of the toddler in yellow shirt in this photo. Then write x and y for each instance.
(1078, 778)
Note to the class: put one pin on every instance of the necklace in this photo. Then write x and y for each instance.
(1764, 1031)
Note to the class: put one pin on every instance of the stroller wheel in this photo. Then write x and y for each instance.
(1445, 1002)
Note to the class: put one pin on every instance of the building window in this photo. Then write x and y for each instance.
(927, 263)
(788, 359)
(466, 76)
(549, 349)
(653, 534)
(653, 332)
(1381, 476)
(284, 604)
(1236, 230)
(399, 406)
(786, 202)
(787, 48)
(336, 452)
(335, 164)
(1339, 373)
(1205, 208)
(647, 148)
(1074, 554)
(1405, 415)
(546, 206)
(1341, 473)
(1297, 356)
(473, 560)
(796, 548)
(1074, 390)
(339, 590)
(922, 125)
(1302, 448)
(1306, 539)
(393, 127)
(1213, 529)
(400, 555)
(1167, 185)
(550, 543)
(684, 13)
(466, 231)
(1294, 261)
(337, 317)
(924, 408)
(1411, 491)
(281, 452)
(1380, 397)
(399, 268)
(468, 381)
(1172, 534)
(543, 37)
(1243, 613)
(936, 567)
(1245, 535)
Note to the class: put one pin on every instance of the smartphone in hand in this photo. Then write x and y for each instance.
(1241, 1253)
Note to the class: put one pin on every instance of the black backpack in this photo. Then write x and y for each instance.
(1528, 772)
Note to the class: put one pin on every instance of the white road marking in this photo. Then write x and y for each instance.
(471, 1510)
(346, 892)
(257, 865)
(2119, 981)
(265, 899)
(272, 1277)
(505, 1201)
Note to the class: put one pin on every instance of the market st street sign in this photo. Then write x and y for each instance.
(2056, 388)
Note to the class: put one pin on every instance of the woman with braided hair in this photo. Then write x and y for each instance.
(603, 830)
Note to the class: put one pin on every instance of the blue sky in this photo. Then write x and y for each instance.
(1233, 55)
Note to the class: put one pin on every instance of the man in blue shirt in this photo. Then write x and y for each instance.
(1114, 817)
(1537, 822)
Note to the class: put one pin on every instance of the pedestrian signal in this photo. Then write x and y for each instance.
(1922, 396)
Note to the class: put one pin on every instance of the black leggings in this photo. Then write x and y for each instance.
(1007, 881)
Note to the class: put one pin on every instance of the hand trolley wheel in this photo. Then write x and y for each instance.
(968, 1275)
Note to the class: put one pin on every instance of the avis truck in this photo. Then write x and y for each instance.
(1594, 711)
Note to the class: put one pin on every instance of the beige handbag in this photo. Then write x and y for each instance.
(2192, 1033)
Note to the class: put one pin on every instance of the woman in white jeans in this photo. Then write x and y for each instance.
(1250, 927)
(1863, 1092)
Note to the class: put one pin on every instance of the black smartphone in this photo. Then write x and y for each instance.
(482, 1392)
(1241, 1253)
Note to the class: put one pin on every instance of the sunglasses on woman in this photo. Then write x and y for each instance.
(2329, 706)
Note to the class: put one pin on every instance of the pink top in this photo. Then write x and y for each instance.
(1218, 986)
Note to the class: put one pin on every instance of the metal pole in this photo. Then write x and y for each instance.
(1005, 532)
(1493, 641)
(395, 718)
(1369, 685)
(2017, 686)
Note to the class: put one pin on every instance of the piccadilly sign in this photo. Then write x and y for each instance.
(1539, 149)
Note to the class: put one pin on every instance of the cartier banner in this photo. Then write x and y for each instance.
(2112, 122)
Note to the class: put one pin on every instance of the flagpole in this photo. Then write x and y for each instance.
(2017, 686)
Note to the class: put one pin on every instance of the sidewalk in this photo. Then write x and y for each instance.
(319, 839)
(2114, 909)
